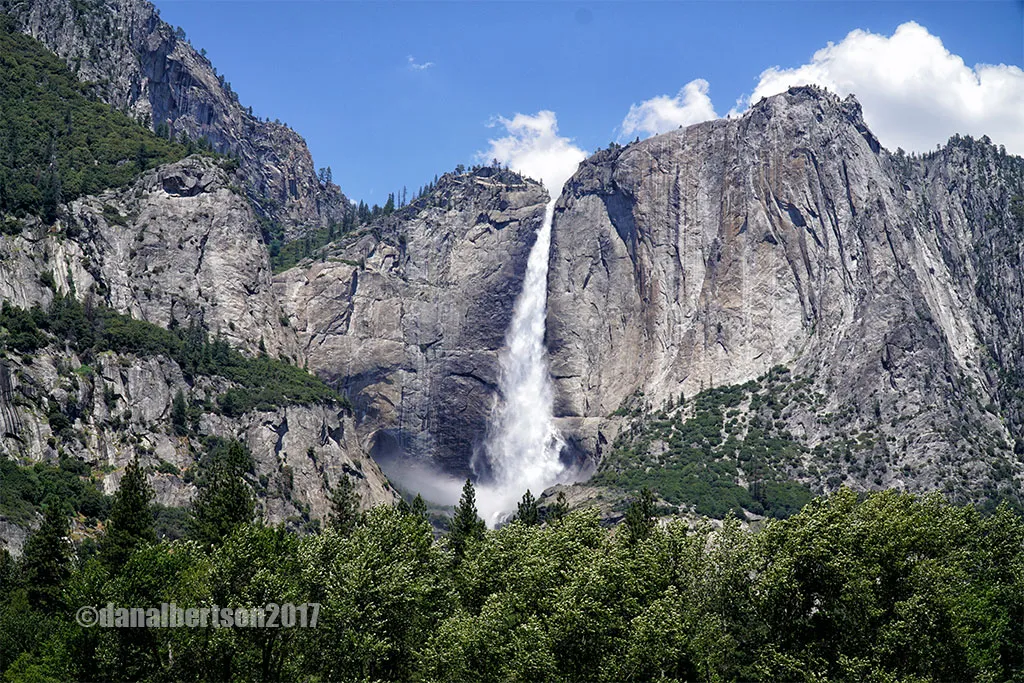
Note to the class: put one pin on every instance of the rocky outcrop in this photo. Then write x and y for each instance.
(10, 422)
(144, 67)
(12, 537)
(119, 407)
(407, 316)
(706, 256)
(179, 246)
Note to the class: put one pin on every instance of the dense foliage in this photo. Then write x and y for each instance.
(24, 489)
(730, 449)
(711, 456)
(886, 587)
(286, 253)
(57, 141)
(263, 382)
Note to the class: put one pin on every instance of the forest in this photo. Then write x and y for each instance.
(57, 140)
(261, 382)
(853, 587)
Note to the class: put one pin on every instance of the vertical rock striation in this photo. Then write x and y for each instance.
(407, 316)
(706, 256)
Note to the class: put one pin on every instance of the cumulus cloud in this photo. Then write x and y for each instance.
(534, 148)
(914, 92)
(663, 113)
(418, 66)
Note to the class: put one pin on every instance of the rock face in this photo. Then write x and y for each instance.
(142, 66)
(179, 246)
(12, 537)
(705, 256)
(407, 317)
(119, 407)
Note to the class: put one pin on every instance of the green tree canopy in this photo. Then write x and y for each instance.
(225, 500)
(131, 517)
(57, 140)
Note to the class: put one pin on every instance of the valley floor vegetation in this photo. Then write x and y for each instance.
(878, 587)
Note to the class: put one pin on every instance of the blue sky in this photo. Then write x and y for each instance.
(340, 74)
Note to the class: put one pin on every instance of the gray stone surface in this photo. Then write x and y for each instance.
(12, 537)
(122, 407)
(705, 256)
(408, 317)
(179, 245)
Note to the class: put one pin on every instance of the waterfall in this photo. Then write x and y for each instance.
(523, 447)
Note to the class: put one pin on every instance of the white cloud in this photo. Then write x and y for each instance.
(534, 148)
(418, 67)
(663, 113)
(914, 92)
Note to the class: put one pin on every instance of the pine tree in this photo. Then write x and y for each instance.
(131, 518)
(419, 506)
(466, 526)
(528, 513)
(46, 562)
(50, 188)
(179, 414)
(225, 500)
(559, 510)
(640, 516)
(344, 515)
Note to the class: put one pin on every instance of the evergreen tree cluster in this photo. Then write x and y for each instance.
(58, 141)
(263, 382)
(285, 254)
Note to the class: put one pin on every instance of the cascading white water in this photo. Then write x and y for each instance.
(523, 446)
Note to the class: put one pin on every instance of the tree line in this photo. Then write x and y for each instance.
(885, 587)
(88, 328)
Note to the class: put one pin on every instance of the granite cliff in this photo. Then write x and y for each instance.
(788, 237)
(179, 248)
(773, 297)
(407, 315)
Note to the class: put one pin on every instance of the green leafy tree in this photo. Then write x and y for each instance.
(131, 518)
(466, 526)
(384, 588)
